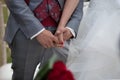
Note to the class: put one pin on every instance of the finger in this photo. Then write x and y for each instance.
(67, 35)
(45, 45)
(51, 44)
(58, 32)
(55, 40)
(64, 36)
(58, 45)
(60, 38)
(65, 30)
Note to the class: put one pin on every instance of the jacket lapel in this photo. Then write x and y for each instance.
(34, 3)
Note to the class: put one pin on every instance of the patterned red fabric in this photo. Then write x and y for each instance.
(48, 12)
(41, 12)
(54, 9)
(49, 22)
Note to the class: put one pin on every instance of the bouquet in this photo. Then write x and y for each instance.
(54, 70)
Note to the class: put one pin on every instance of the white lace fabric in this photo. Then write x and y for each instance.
(96, 55)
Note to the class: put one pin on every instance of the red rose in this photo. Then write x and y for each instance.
(59, 65)
(60, 72)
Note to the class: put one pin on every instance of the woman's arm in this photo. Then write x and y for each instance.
(68, 10)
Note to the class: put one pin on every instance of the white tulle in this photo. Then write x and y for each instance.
(96, 55)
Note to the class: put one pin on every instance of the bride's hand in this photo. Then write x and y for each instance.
(59, 34)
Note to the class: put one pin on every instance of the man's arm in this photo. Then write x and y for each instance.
(29, 24)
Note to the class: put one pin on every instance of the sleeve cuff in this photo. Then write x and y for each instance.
(72, 31)
(37, 33)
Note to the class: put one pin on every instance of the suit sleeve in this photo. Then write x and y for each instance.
(76, 17)
(24, 17)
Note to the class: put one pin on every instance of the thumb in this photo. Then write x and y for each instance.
(58, 32)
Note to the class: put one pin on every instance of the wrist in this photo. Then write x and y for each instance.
(37, 33)
(61, 25)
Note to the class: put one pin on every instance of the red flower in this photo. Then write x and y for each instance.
(54, 70)
(60, 72)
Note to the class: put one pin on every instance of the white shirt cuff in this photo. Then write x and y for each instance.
(37, 33)
(72, 31)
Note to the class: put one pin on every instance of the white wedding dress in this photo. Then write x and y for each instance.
(95, 55)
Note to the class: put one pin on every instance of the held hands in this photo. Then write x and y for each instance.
(47, 39)
(63, 35)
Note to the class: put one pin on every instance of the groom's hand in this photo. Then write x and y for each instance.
(67, 34)
(47, 39)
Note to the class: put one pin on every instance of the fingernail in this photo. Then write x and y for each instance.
(61, 43)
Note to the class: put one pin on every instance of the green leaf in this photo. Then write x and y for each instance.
(42, 73)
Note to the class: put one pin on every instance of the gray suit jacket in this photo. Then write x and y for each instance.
(21, 17)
